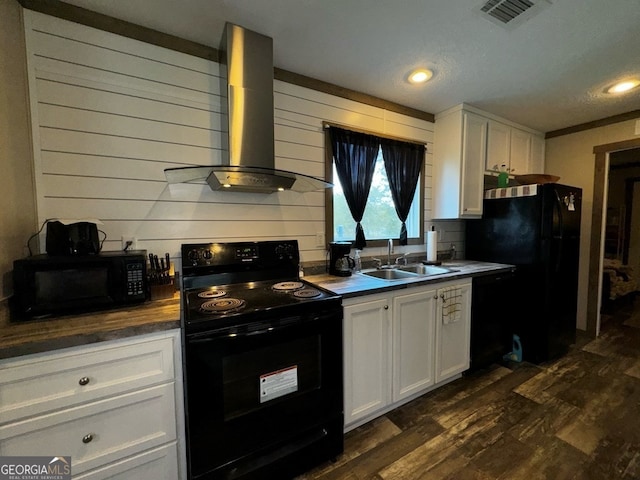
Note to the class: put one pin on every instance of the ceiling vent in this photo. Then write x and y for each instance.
(510, 13)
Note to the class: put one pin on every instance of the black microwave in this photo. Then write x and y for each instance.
(46, 285)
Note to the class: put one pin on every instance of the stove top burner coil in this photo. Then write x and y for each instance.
(224, 305)
(287, 286)
(212, 294)
(307, 293)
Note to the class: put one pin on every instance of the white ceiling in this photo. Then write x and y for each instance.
(548, 73)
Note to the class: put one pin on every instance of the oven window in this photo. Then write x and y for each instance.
(262, 377)
(68, 285)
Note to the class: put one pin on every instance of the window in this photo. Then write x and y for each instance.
(380, 220)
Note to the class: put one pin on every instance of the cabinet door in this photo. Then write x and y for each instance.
(367, 342)
(474, 151)
(498, 144)
(537, 154)
(157, 464)
(413, 342)
(520, 152)
(453, 326)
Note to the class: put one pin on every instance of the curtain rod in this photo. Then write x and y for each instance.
(326, 125)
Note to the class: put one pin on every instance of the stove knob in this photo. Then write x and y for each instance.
(284, 251)
(193, 256)
(207, 254)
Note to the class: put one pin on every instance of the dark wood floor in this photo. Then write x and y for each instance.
(574, 418)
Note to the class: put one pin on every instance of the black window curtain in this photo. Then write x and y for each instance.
(355, 154)
(403, 164)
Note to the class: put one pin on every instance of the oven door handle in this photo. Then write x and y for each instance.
(265, 328)
(229, 333)
(256, 332)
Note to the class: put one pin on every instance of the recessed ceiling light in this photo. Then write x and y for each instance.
(420, 76)
(622, 87)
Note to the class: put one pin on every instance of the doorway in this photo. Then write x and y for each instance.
(621, 263)
(596, 255)
(632, 246)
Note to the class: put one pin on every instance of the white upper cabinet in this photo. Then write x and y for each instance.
(519, 149)
(473, 157)
(458, 169)
(498, 146)
(520, 152)
(469, 143)
(536, 164)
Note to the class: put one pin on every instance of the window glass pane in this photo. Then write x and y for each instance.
(380, 220)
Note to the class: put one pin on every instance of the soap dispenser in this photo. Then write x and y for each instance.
(358, 261)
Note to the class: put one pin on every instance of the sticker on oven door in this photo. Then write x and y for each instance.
(279, 383)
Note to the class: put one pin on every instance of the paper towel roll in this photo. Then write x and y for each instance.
(432, 246)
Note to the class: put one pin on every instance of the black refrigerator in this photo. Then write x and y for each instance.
(537, 229)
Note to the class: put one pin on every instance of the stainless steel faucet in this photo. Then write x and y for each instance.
(389, 251)
(402, 258)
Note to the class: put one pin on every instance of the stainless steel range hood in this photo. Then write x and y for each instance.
(248, 158)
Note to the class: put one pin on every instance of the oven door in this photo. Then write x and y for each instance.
(268, 394)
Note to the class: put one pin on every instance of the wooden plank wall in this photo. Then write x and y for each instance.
(109, 114)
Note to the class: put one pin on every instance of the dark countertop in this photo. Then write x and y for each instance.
(41, 335)
(358, 285)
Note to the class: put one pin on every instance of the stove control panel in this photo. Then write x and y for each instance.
(247, 252)
(258, 255)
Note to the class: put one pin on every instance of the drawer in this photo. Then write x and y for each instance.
(54, 381)
(97, 433)
(157, 464)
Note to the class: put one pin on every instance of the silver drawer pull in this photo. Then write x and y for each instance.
(87, 438)
(83, 381)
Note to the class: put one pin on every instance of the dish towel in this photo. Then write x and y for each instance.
(451, 304)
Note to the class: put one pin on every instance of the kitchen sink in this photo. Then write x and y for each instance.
(390, 274)
(426, 269)
(408, 271)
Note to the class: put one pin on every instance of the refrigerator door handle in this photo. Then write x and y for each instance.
(559, 239)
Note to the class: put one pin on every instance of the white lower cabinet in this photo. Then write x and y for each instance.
(396, 346)
(367, 361)
(114, 407)
(453, 330)
(413, 342)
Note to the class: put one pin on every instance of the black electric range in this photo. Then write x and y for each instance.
(262, 361)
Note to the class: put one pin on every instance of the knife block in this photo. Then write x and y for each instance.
(159, 292)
